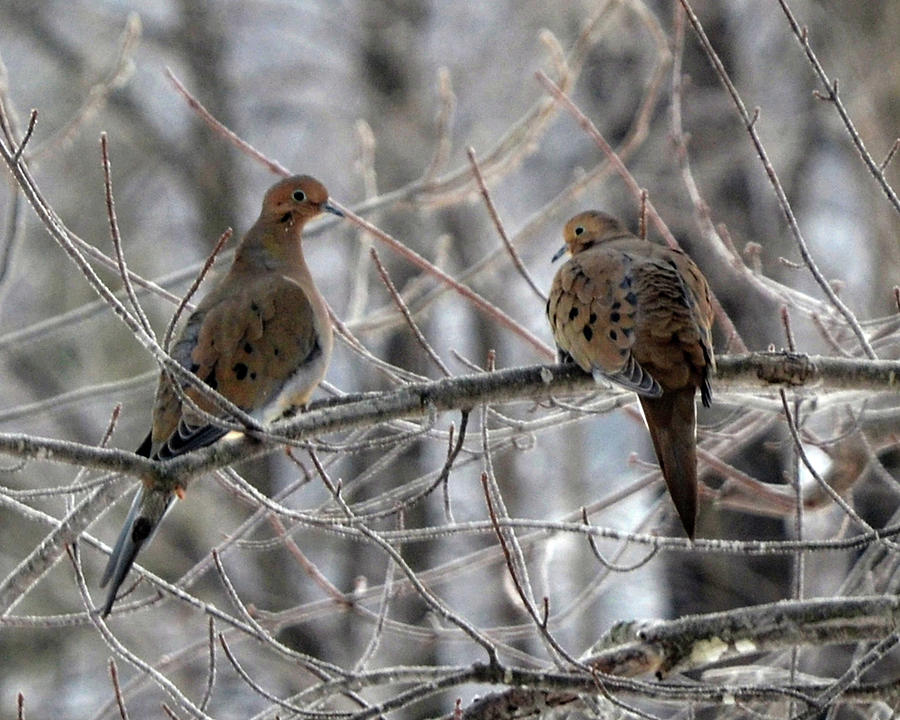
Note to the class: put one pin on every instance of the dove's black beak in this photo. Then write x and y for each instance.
(329, 208)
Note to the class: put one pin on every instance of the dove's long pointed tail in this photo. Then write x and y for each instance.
(147, 511)
(673, 429)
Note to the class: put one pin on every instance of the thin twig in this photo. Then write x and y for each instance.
(890, 156)
(186, 298)
(784, 203)
(452, 453)
(540, 622)
(829, 337)
(498, 223)
(444, 126)
(843, 504)
(117, 690)
(255, 686)
(592, 541)
(477, 300)
(211, 666)
(642, 215)
(802, 35)
(404, 310)
(220, 129)
(316, 575)
(788, 331)
(32, 121)
(117, 238)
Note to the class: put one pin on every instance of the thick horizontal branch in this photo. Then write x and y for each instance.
(752, 371)
(533, 383)
(697, 640)
(535, 700)
(33, 447)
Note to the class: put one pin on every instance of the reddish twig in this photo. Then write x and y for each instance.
(117, 689)
(185, 300)
(477, 300)
(220, 129)
(401, 305)
(498, 223)
(788, 331)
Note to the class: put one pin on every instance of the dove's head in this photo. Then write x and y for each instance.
(590, 228)
(295, 200)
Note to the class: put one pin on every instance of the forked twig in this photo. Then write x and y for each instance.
(32, 121)
(831, 86)
(784, 203)
(477, 300)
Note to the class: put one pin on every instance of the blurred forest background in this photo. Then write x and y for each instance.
(380, 99)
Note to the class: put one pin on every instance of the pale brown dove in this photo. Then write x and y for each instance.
(262, 338)
(639, 314)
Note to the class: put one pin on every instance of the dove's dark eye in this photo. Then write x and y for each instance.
(579, 230)
(299, 195)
